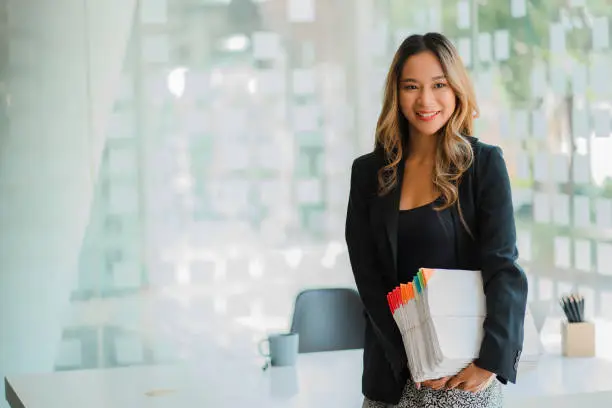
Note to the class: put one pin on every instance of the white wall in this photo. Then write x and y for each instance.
(65, 56)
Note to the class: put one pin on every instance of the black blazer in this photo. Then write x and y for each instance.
(371, 236)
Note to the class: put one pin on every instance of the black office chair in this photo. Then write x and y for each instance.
(329, 319)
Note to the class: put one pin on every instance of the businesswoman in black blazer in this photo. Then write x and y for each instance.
(432, 195)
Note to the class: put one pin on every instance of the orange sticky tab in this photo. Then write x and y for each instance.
(427, 273)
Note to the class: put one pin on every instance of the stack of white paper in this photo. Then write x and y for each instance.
(440, 315)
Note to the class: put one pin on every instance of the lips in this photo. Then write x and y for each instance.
(427, 116)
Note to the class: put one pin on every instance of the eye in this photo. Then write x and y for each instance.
(440, 85)
(410, 87)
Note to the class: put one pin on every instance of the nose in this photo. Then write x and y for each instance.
(426, 97)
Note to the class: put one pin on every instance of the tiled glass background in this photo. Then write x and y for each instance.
(200, 172)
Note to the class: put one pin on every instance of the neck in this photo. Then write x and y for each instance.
(422, 148)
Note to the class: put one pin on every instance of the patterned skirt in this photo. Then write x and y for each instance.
(490, 397)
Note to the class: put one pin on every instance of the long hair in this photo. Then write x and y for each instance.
(454, 154)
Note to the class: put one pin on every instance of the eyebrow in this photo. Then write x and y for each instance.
(436, 78)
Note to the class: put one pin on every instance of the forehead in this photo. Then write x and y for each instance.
(422, 66)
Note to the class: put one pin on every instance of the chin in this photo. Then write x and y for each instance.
(429, 131)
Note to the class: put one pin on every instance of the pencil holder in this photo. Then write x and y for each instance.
(578, 339)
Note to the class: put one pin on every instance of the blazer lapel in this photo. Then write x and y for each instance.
(390, 207)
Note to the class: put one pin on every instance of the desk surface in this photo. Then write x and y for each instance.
(331, 379)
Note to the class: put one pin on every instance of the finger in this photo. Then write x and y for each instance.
(438, 384)
(485, 384)
(444, 380)
(457, 386)
(457, 379)
(468, 386)
(482, 385)
(428, 384)
(454, 382)
(434, 381)
(479, 389)
(417, 385)
(463, 376)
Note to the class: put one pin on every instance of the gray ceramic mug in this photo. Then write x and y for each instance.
(283, 348)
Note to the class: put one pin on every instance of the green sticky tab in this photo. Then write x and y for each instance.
(423, 279)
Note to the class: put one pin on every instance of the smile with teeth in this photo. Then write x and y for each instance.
(427, 115)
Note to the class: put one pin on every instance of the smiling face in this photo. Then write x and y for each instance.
(426, 99)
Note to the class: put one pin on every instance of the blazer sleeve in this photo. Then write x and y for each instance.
(364, 263)
(505, 283)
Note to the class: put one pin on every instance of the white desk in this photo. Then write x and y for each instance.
(319, 380)
(563, 382)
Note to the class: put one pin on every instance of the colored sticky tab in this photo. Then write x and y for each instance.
(423, 280)
(415, 290)
(427, 273)
(398, 298)
(417, 284)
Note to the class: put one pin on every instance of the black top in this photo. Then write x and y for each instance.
(425, 239)
(485, 240)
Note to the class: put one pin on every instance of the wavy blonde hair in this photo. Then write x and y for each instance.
(454, 153)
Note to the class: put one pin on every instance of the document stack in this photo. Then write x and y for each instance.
(440, 315)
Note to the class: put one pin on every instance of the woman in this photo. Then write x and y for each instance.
(431, 195)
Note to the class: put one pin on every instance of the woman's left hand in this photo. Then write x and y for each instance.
(472, 378)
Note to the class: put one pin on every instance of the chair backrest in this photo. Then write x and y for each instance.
(329, 319)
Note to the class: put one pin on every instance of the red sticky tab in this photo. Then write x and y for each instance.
(395, 299)
(398, 298)
(392, 302)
